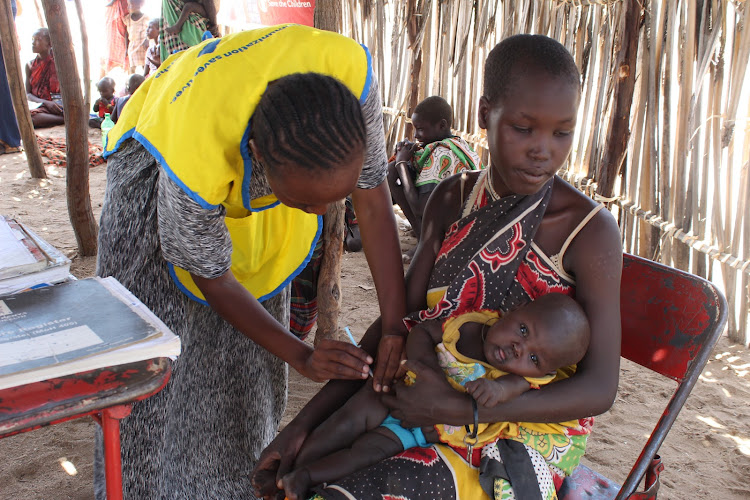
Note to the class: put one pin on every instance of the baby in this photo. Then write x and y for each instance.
(204, 8)
(106, 102)
(131, 85)
(494, 358)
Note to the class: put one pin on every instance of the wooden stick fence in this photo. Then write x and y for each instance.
(681, 186)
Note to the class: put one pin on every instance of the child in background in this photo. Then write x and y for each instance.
(419, 166)
(133, 82)
(493, 357)
(42, 84)
(153, 59)
(136, 22)
(106, 102)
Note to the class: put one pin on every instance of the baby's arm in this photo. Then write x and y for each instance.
(421, 342)
(489, 393)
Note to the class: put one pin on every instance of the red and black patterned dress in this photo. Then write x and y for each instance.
(488, 260)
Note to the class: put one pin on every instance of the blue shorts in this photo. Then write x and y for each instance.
(410, 438)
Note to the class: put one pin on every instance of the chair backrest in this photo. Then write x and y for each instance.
(668, 317)
(671, 321)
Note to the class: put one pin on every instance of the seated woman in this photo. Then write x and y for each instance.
(42, 85)
(495, 239)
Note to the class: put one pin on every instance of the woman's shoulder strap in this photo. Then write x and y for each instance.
(577, 230)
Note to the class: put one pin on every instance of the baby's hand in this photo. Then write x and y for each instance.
(404, 150)
(488, 393)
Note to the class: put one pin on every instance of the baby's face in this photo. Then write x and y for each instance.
(106, 91)
(519, 343)
(152, 31)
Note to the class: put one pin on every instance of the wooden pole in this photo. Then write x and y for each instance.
(13, 70)
(414, 23)
(42, 22)
(85, 52)
(619, 125)
(666, 175)
(76, 129)
(328, 17)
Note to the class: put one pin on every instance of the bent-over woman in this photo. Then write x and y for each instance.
(219, 170)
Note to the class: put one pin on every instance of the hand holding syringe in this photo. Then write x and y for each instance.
(351, 337)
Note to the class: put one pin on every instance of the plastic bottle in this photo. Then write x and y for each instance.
(107, 124)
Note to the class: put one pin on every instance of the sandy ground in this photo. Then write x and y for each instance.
(707, 453)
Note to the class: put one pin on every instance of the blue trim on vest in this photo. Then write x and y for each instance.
(125, 136)
(301, 266)
(182, 288)
(247, 160)
(155, 153)
(132, 133)
(368, 80)
(267, 296)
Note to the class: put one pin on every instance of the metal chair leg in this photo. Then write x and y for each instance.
(110, 421)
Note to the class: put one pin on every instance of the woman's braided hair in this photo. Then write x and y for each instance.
(308, 119)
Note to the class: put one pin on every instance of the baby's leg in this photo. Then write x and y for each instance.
(369, 449)
(211, 7)
(188, 9)
(363, 412)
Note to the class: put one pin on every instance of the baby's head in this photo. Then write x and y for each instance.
(133, 82)
(152, 31)
(106, 88)
(529, 108)
(432, 120)
(134, 6)
(539, 337)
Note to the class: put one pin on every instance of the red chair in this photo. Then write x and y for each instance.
(106, 394)
(671, 321)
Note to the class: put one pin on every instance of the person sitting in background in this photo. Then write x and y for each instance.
(106, 102)
(153, 59)
(132, 83)
(137, 24)
(42, 85)
(418, 167)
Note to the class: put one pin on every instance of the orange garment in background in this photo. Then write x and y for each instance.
(117, 35)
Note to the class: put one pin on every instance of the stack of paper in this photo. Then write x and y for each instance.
(75, 327)
(26, 260)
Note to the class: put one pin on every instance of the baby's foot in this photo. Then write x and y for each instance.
(172, 30)
(296, 484)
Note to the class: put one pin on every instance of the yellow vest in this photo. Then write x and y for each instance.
(193, 116)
